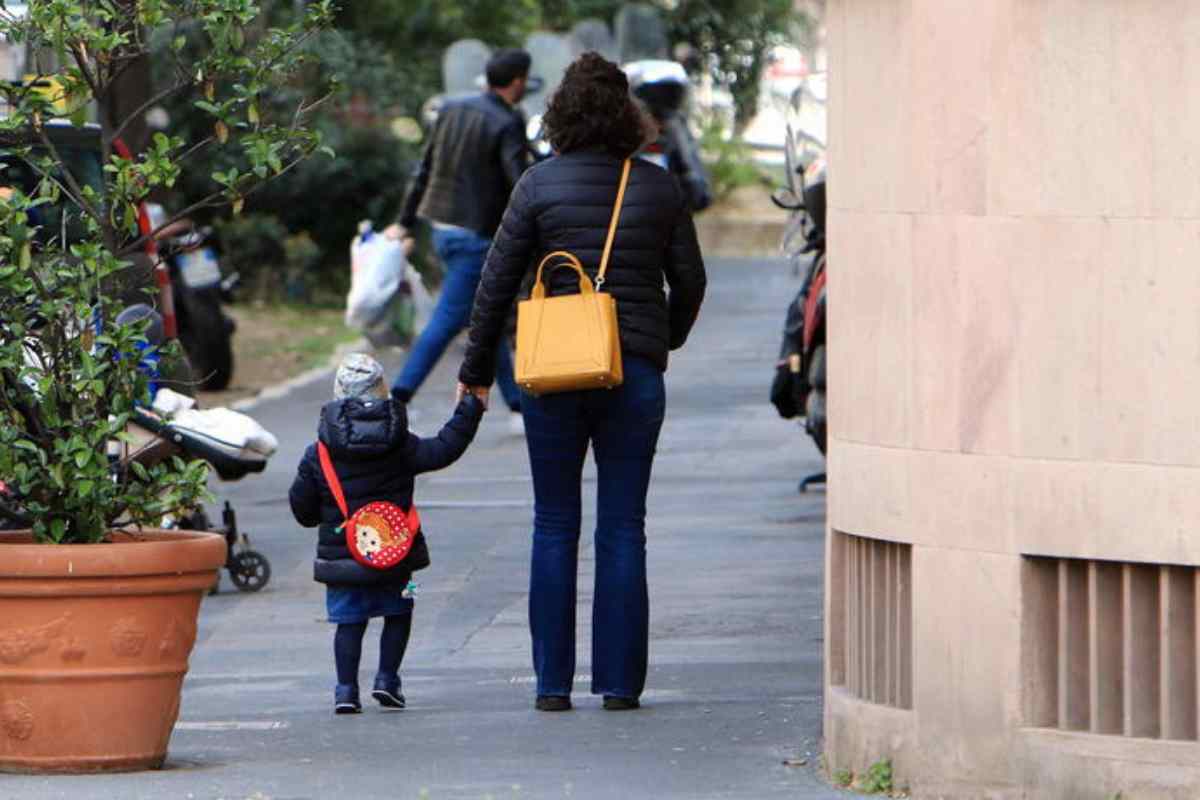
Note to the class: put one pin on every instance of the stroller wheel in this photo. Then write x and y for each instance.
(250, 571)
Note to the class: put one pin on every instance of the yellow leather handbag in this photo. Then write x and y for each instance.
(571, 342)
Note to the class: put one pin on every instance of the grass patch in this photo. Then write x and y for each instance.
(877, 779)
(305, 336)
(730, 163)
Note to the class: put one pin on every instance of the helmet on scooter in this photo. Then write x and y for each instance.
(661, 85)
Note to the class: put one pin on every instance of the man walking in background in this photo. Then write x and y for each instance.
(475, 155)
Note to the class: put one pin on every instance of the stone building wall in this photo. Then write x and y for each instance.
(1014, 504)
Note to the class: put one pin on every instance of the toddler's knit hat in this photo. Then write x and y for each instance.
(359, 376)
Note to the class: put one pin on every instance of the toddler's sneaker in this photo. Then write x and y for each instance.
(387, 693)
(345, 700)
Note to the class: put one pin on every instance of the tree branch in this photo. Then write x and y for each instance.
(126, 62)
(68, 175)
(146, 106)
(139, 242)
(303, 109)
(194, 149)
(81, 60)
(33, 423)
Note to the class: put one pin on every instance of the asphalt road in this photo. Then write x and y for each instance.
(735, 558)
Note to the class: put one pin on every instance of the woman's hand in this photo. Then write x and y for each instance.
(398, 233)
(481, 392)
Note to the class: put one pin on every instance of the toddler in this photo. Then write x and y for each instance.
(375, 458)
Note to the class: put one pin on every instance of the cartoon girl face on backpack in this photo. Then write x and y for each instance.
(368, 539)
(372, 534)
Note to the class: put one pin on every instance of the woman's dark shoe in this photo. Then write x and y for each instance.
(614, 703)
(552, 702)
(387, 693)
(345, 700)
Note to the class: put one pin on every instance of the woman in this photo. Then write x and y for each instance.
(565, 203)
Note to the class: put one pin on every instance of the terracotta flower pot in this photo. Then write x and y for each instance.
(94, 645)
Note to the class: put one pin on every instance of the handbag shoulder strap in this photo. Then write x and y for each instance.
(612, 226)
(331, 478)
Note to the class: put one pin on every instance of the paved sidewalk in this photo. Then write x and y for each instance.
(735, 588)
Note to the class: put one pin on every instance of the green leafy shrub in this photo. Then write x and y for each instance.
(327, 198)
(730, 162)
(70, 375)
(252, 244)
(878, 779)
(324, 198)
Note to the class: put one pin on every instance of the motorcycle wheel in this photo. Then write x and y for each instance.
(815, 418)
(207, 337)
(250, 571)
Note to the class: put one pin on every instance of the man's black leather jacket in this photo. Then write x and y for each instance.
(474, 157)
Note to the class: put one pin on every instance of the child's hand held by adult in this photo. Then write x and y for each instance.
(481, 392)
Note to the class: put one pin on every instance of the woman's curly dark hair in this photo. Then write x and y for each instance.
(592, 107)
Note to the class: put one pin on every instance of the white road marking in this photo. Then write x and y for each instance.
(251, 676)
(476, 504)
(448, 481)
(232, 725)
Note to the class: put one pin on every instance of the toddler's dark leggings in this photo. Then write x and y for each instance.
(347, 647)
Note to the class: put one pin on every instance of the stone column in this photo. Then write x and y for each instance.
(1014, 461)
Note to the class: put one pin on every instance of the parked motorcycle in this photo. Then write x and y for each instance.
(662, 87)
(199, 291)
(799, 388)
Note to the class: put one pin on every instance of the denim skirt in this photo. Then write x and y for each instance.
(353, 604)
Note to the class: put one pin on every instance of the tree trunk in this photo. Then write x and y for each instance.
(129, 91)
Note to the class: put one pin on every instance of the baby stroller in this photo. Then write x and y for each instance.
(233, 444)
(156, 437)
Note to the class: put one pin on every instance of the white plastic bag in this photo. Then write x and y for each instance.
(377, 270)
(388, 301)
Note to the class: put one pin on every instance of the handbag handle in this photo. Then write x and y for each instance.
(569, 259)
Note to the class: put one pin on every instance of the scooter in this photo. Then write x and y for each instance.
(799, 388)
(663, 86)
(199, 290)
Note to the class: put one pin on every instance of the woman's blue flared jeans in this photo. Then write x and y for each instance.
(622, 426)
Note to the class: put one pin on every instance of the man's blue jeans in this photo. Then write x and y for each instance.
(463, 252)
(622, 425)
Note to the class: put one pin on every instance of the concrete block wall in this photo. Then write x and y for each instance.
(1015, 392)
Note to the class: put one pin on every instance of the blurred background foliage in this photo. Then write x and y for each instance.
(291, 240)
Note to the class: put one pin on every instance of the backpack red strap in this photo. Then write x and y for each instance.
(331, 478)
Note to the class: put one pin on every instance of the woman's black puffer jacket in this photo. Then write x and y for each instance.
(376, 458)
(565, 203)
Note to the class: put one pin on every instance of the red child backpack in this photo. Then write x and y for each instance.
(380, 534)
